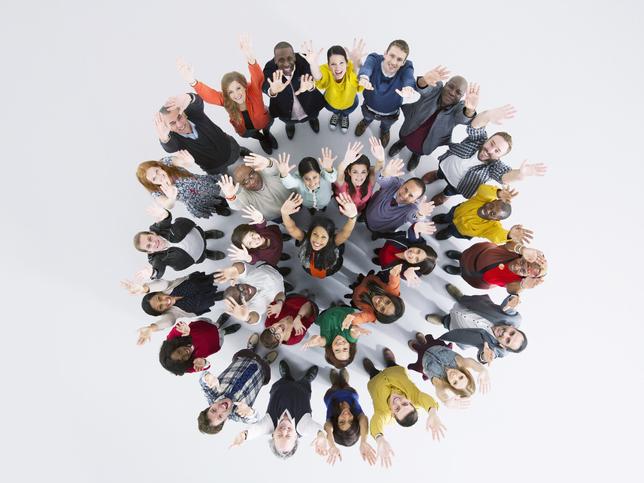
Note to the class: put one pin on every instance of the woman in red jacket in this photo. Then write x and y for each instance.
(242, 99)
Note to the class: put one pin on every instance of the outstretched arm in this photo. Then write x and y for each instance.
(496, 116)
(290, 206)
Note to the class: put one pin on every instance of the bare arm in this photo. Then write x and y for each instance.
(344, 234)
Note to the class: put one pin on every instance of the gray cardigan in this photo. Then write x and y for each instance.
(418, 112)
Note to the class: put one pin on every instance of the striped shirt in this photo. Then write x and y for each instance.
(480, 173)
(241, 381)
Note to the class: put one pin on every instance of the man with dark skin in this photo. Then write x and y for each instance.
(291, 87)
(430, 120)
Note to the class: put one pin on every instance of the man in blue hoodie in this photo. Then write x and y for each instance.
(387, 80)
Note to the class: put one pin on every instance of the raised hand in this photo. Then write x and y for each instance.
(396, 270)
(228, 187)
(358, 331)
(368, 453)
(246, 47)
(395, 167)
(320, 444)
(253, 214)
(438, 73)
(472, 96)
(134, 288)
(292, 204)
(211, 381)
(243, 409)
(424, 228)
(457, 402)
(537, 169)
(168, 189)
(298, 326)
(199, 364)
(225, 274)
(358, 51)
(183, 328)
(312, 342)
(500, 114)
(144, 335)
(353, 152)
(256, 161)
(488, 354)
(333, 454)
(512, 303)
(178, 102)
(186, 71)
(484, 381)
(405, 92)
(346, 205)
(282, 163)
(239, 440)
(307, 83)
(384, 453)
(531, 282)
(507, 193)
(145, 273)
(376, 148)
(425, 207)
(156, 212)
(276, 84)
(413, 280)
(533, 255)
(435, 425)
(239, 254)
(183, 159)
(520, 234)
(309, 54)
(327, 159)
(366, 83)
(275, 308)
(239, 311)
(162, 129)
(347, 321)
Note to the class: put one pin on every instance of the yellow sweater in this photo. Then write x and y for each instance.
(468, 222)
(340, 95)
(393, 379)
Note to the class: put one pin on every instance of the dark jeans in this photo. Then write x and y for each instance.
(287, 121)
(385, 121)
(258, 134)
(374, 372)
(343, 112)
(450, 229)
(449, 189)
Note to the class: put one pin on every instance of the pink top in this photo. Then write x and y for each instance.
(359, 200)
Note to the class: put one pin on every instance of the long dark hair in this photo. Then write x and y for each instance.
(351, 435)
(325, 258)
(374, 289)
(336, 50)
(364, 187)
(334, 361)
(307, 165)
(426, 266)
(239, 233)
(147, 307)
(178, 368)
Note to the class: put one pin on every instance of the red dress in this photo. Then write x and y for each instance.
(292, 305)
(205, 339)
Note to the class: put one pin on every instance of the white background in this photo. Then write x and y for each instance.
(82, 402)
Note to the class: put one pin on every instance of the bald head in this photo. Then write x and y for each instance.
(248, 178)
(453, 91)
(495, 210)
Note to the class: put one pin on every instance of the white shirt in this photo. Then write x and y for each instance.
(454, 168)
(267, 281)
(297, 113)
(463, 318)
(305, 426)
(192, 135)
(193, 244)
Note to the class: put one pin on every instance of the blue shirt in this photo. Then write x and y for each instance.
(341, 395)
(383, 98)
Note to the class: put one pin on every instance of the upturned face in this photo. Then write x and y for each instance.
(151, 243)
(394, 60)
(492, 210)
(161, 302)
(340, 347)
(247, 291)
(493, 149)
(311, 180)
(248, 178)
(319, 238)
(285, 60)
(508, 336)
(219, 411)
(408, 193)
(182, 353)
(415, 255)
(358, 174)
(383, 304)
(456, 378)
(400, 406)
(523, 268)
(338, 66)
(156, 176)
(453, 91)
(253, 240)
(177, 121)
(284, 435)
(236, 92)
(345, 418)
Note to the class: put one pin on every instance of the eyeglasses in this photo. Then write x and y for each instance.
(249, 179)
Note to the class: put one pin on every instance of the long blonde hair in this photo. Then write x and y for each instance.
(173, 172)
(231, 106)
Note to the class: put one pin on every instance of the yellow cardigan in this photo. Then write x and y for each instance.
(469, 223)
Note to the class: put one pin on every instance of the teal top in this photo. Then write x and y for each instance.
(330, 323)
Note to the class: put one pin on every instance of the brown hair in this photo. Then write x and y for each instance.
(468, 390)
(337, 363)
(401, 44)
(231, 106)
(506, 137)
(173, 172)
(204, 424)
(268, 340)
(137, 240)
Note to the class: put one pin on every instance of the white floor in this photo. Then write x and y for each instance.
(81, 82)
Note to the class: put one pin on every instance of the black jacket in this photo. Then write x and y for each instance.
(282, 104)
(212, 148)
(173, 257)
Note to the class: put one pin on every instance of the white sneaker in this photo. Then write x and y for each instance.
(333, 122)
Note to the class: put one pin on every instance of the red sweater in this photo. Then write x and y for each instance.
(257, 111)
(292, 305)
(205, 339)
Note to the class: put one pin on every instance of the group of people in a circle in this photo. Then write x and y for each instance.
(378, 193)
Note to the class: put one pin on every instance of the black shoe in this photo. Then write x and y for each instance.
(395, 148)
(384, 138)
(315, 125)
(288, 287)
(311, 373)
(290, 130)
(243, 152)
(224, 317)
(284, 257)
(368, 366)
(285, 370)
(388, 355)
(215, 255)
(375, 261)
(272, 140)
(452, 269)
(284, 271)
(219, 295)
(374, 236)
(213, 234)
(440, 219)
(266, 145)
(286, 237)
(223, 211)
(453, 254)
(413, 162)
(361, 127)
(348, 296)
(443, 234)
(231, 329)
(376, 251)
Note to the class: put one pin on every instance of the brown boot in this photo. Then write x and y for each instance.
(384, 139)
(361, 127)
(430, 177)
(388, 356)
(439, 199)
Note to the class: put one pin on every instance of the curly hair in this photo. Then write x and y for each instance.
(173, 172)
(178, 368)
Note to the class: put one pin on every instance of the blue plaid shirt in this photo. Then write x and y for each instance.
(241, 381)
(476, 175)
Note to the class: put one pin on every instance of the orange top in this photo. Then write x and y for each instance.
(257, 111)
(316, 272)
(367, 313)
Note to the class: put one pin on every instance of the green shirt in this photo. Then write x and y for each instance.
(330, 322)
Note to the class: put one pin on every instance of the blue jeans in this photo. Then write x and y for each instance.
(343, 112)
(385, 121)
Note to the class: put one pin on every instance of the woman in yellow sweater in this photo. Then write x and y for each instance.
(338, 78)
